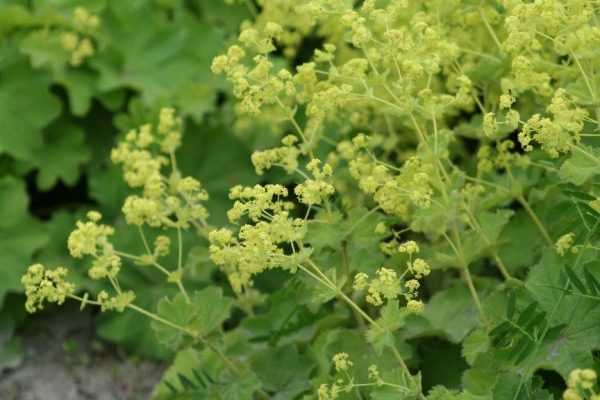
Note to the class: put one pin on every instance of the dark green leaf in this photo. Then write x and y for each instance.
(519, 347)
(591, 281)
(510, 308)
(500, 329)
(575, 280)
(527, 314)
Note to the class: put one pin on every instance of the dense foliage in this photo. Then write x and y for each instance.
(419, 218)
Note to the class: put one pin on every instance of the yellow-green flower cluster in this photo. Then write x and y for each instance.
(558, 134)
(92, 238)
(388, 285)
(582, 385)
(45, 285)
(315, 191)
(167, 201)
(394, 193)
(257, 247)
(502, 157)
(285, 156)
(256, 86)
(341, 362)
(257, 201)
(78, 42)
(387, 69)
(565, 243)
(117, 302)
(529, 23)
(329, 393)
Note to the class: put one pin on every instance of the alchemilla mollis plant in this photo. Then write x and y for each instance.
(425, 222)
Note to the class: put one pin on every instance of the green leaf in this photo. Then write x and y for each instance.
(158, 57)
(14, 16)
(323, 294)
(44, 48)
(234, 387)
(80, 85)
(212, 308)
(581, 166)
(575, 280)
(399, 386)
(571, 190)
(391, 316)
(390, 320)
(450, 314)
(26, 106)
(591, 281)
(522, 349)
(518, 254)
(501, 328)
(527, 314)
(64, 153)
(20, 235)
(187, 365)
(476, 343)
(575, 319)
(204, 314)
(283, 372)
(510, 308)
(580, 90)
(508, 386)
(327, 234)
(379, 339)
(179, 312)
(436, 353)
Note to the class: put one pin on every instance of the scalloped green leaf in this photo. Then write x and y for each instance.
(26, 107)
(20, 235)
(582, 165)
(283, 383)
(64, 154)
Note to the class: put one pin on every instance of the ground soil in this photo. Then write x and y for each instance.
(62, 360)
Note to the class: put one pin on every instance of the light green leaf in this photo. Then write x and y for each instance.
(212, 308)
(283, 372)
(582, 165)
(390, 320)
(580, 90)
(179, 312)
(476, 343)
(80, 85)
(14, 16)
(188, 363)
(234, 387)
(45, 50)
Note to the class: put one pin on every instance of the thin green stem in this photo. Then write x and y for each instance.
(467, 276)
(180, 265)
(535, 219)
(489, 29)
